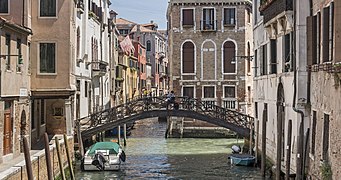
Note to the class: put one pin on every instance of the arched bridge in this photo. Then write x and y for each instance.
(148, 107)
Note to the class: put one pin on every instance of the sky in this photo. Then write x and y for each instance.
(142, 11)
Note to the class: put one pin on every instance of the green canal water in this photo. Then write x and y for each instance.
(151, 156)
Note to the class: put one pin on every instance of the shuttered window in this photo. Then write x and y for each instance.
(331, 31)
(311, 40)
(318, 38)
(229, 57)
(4, 6)
(48, 8)
(187, 17)
(273, 47)
(188, 58)
(325, 37)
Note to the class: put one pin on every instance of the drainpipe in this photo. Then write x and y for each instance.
(2, 23)
(299, 162)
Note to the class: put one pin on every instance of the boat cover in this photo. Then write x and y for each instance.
(111, 146)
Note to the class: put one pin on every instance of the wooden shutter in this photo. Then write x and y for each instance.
(187, 17)
(188, 58)
(311, 40)
(229, 57)
(325, 40)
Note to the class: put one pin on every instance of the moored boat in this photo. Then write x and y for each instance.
(103, 156)
(242, 159)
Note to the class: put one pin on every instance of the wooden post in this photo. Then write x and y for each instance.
(28, 162)
(48, 158)
(61, 168)
(287, 165)
(69, 160)
(119, 134)
(80, 140)
(280, 120)
(125, 134)
(257, 141)
(251, 138)
(300, 138)
(263, 163)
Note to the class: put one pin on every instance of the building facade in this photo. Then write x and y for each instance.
(324, 58)
(207, 49)
(280, 82)
(15, 72)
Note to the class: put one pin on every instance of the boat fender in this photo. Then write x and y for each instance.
(123, 156)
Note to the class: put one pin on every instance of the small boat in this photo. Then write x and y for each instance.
(242, 159)
(103, 156)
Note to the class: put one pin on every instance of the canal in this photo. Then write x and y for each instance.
(151, 156)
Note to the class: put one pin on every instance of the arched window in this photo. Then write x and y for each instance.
(78, 42)
(229, 57)
(188, 58)
(149, 46)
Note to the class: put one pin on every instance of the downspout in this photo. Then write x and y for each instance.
(299, 162)
(1, 26)
(101, 44)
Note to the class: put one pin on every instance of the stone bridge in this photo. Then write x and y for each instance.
(148, 107)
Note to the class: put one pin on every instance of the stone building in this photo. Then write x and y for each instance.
(15, 106)
(280, 82)
(207, 47)
(324, 58)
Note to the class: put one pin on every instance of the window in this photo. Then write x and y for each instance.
(331, 31)
(86, 89)
(4, 6)
(229, 100)
(248, 60)
(78, 42)
(208, 22)
(256, 63)
(8, 45)
(273, 48)
(318, 38)
(149, 46)
(325, 35)
(256, 109)
(248, 15)
(188, 92)
(209, 92)
(229, 16)
(288, 53)
(78, 85)
(20, 58)
(229, 57)
(264, 60)
(312, 39)
(229, 92)
(325, 146)
(187, 17)
(47, 54)
(48, 8)
(188, 57)
(313, 133)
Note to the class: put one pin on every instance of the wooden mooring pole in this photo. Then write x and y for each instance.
(69, 160)
(119, 134)
(28, 162)
(60, 162)
(257, 142)
(125, 134)
(80, 140)
(263, 163)
(287, 165)
(48, 158)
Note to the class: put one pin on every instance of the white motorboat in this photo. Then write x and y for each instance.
(103, 156)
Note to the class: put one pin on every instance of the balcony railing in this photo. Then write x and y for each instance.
(230, 103)
(328, 67)
(208, 25)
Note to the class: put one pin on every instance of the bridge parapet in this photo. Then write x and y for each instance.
(144, 107)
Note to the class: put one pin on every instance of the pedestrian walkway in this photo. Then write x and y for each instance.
(10, 165)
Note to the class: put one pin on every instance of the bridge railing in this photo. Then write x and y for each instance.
(142, 104)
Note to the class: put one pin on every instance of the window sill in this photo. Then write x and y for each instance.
(47, 17)
(188, 26)
(229, 25)
(47, 74)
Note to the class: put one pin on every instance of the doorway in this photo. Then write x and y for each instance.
(8, 129)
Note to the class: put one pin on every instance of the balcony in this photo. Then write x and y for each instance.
(208, 25)
(99, 68)
(271, 8)
(123, 61)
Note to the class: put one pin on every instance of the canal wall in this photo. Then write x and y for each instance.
(182, 128)
(38, 161)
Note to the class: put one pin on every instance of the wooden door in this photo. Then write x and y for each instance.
(7, 134)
